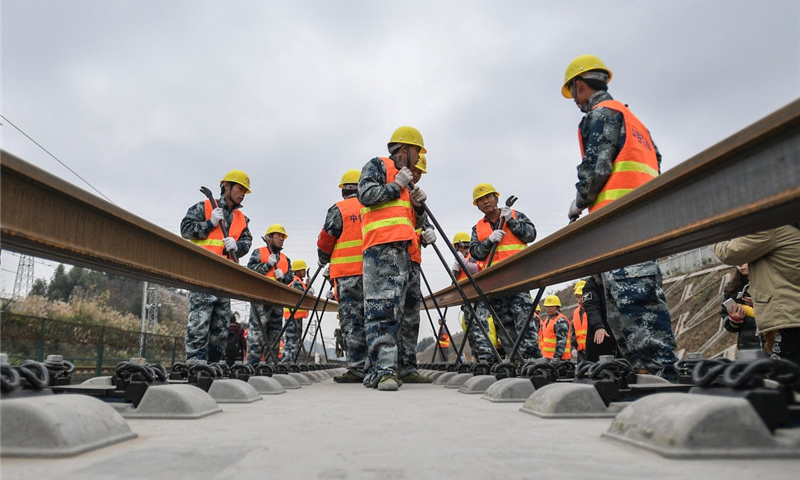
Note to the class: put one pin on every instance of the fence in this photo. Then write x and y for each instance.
(34, 338)
(686, 262)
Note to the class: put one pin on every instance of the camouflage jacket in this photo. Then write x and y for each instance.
(194, 226)
(521, 226)
(373, 189)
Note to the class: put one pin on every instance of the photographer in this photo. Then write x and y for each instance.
(737, 310)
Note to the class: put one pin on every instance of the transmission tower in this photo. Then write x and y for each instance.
(24, 279)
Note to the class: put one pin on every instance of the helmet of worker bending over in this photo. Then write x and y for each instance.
(588, 68)
(406, 135)
(481, 190)
(422, 164)
(237, 176)
(349, 182)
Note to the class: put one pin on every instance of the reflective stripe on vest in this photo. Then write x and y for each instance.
(213, 242)
(508, 246)
(283, 262)
(346, 258)
(299, 314)
(579, 323)
(635, 165)
(391, 221)
(549, 339)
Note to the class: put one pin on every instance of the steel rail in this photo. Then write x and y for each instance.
(42, 215)
(745, 183)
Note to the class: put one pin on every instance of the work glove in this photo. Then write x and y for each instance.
(273, 260)
(217, 216)
(418, 197)
(403, 177)
(278, 274)
(574, 212)
(230, 244)
(330, 295)
(456, 266)
(428, 236)
(311, 291)
(496, 236)
(505, 212)
(326, 272)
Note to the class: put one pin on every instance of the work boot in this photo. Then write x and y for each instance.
(416, 377)
(348, 377)
(388, 383)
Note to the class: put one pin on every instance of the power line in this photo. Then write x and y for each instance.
(55, 158)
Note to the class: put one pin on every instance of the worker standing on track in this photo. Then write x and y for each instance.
(461, 245)
(210, 315)
(390, 216)
(518, 230)
(579, 325)
(618, 156)
(555, 330)
(295, 326)
(339, 249)
(268, 261)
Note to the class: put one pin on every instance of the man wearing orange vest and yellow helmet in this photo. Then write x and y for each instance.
(294, 329)
(618, 156)
(274, 264)
(579, 324)
(339, 248)
(517, 231)
(392, 211)
(210, 315)
(555, 330)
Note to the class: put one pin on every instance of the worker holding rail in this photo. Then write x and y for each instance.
(618, 156)
(210, 315)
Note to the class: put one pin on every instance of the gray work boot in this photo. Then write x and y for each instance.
(416, 377)
(348, 377)
(388, 383)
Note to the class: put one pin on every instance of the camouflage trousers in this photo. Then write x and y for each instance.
(409, 327)
(513, 310)
(291, 342)
(207, 328)
(387, 269)
(350, 292)
(638, 316)
(272, 318)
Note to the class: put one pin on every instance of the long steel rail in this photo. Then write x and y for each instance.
(45, 216)
(745, 183)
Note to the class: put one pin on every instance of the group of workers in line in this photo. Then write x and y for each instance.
(371, 242)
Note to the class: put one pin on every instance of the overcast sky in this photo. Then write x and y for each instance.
(149, 100)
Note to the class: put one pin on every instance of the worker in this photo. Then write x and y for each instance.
(393, 209)
(555, 330)
(210, 315)
(444, 340)
(339, 248)
(461, 246)
(294, 327)
(579, 324)
(619, 155)
(270, 261)
(516, 232)
(599, 340)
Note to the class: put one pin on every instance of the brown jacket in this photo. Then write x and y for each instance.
(774, 261)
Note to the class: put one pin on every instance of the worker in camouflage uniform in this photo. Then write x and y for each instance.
(339, 248)
(409, 326)
(271, 262)
(392, 211)
(210, 315)
(294, 324)
(461, 246)
(515, 309)
(555, 333)
(618, 156)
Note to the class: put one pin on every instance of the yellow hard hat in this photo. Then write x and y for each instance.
(422, 164)
(237, 176)
(481, 190)
(538, 308)
(582, 64)
(350, 177)
(552, 301)
(299, 265)
(409, 136)
(579, 287)
(461, 237)
(276, 228)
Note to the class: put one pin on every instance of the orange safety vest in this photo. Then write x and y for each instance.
(414, 247)
(579, 323)
(287, 312)
(283, 262)
(461, 274)
(508, 246)
(213, 242)
(346, 258)
(635, 165)
(549, 338)
(444, 340)
(391, 221)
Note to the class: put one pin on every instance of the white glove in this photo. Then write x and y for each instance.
(326, 272)
(505, 212)
(428, 236)
(574, 212)
(310, 291)
(418, 197)
(217, 216)
(403, 177)
(279, 274)
(330, 295)
(273, 260)
(496, 236)
(230, 244)
(456, 268)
